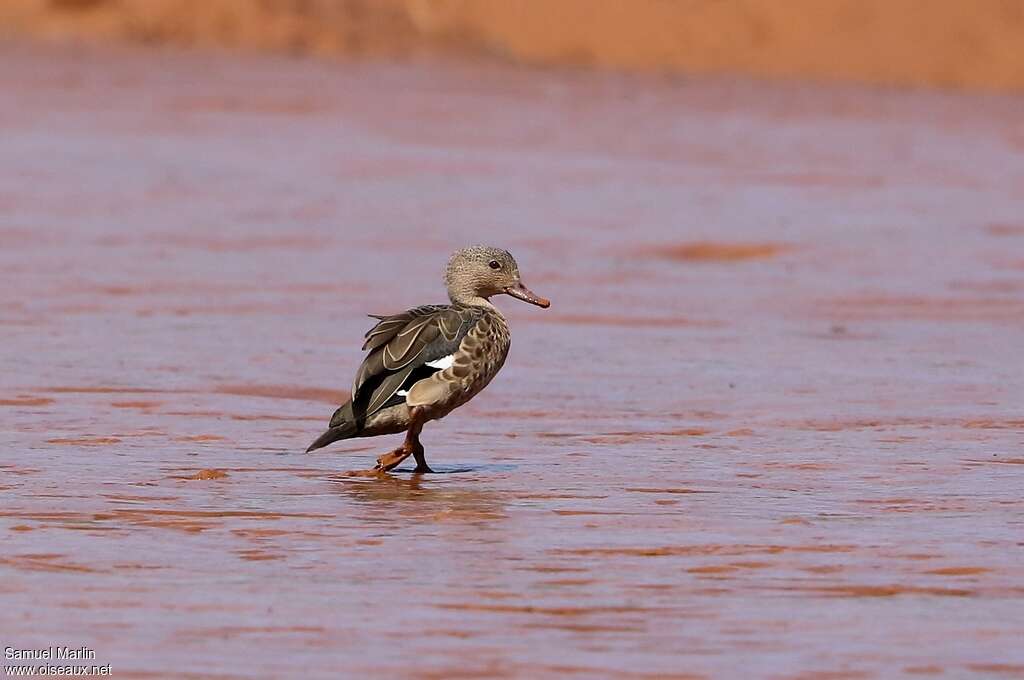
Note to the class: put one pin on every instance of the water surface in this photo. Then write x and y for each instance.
(772, 424)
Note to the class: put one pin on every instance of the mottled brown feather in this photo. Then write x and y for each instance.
(400, 343)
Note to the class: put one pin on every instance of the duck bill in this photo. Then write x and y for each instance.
(526, 295)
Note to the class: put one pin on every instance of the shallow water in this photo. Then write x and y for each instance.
(772, 424)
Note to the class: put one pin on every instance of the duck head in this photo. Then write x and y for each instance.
(476, 273)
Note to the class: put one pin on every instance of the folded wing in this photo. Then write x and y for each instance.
(405, 348)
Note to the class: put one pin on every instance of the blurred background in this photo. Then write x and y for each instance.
(952, 43)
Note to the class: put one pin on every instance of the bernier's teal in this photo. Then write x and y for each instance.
(427, 361)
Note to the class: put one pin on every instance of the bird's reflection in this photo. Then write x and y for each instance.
(440, 497)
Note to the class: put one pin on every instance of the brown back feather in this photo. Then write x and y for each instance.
(397, 344)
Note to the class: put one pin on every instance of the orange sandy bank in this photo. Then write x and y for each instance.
(911, 42)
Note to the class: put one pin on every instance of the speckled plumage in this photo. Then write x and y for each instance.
(427, 361)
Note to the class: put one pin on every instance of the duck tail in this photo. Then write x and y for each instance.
(343, 426)
(332, 435)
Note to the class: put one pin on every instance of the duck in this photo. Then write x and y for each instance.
(425, 362)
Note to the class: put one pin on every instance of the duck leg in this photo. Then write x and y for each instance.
(421, 461)
(410, 447)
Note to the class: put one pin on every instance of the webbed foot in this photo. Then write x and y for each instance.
(385, 463)
(389, 461)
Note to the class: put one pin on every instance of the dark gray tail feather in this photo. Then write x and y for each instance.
(336, 433)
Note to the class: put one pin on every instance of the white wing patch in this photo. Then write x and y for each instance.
(439, 364)
(442, 363)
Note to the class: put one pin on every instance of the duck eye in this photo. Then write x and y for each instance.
(494, 264)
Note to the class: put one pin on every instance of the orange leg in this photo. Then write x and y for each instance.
(410, 447)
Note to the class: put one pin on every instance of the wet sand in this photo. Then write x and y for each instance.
(772, 424)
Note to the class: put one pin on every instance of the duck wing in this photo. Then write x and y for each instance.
(404, 348)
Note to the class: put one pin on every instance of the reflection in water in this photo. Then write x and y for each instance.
(398, 498)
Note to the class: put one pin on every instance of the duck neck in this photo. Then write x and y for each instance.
(472, 301)
(469, 298)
